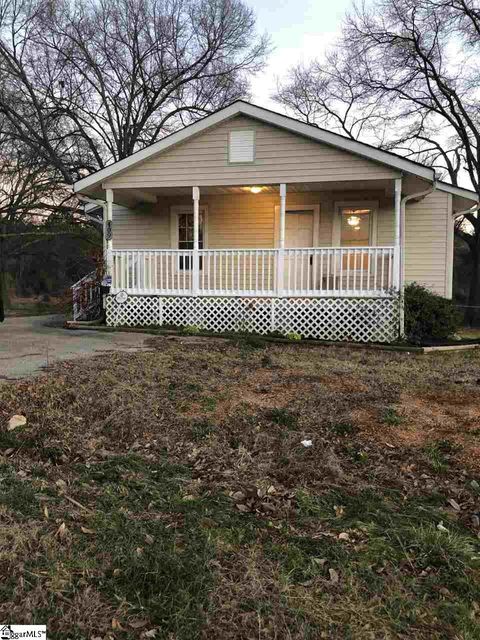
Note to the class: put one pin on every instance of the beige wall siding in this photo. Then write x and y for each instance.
(426, 242)
(137, 230)
(280, 156)
(241, 221)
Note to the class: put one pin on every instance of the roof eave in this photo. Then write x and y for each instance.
(468, 194)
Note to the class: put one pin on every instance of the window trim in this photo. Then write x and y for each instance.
(244, 162)
(336, 225)
(315, 208)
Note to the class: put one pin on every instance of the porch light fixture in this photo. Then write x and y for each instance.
(255, 189)
(353, 221)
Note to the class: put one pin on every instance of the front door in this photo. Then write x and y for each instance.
(298, 235)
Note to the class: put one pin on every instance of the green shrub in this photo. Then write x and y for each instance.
(428, 316)
(190, 329)
(293, 336)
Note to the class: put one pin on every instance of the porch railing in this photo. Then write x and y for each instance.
(86, 297)
(309, 272)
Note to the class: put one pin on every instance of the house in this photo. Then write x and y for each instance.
(250, 220)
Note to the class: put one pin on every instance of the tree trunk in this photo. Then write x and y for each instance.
(3, 275)
(472, 313)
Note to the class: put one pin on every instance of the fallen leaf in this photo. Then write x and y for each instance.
(320, 561)
(62, 531)
(343, 536)
(339, 510)
(45, 511)
(149, 539)
(16, 421)
(138, 624)
(453, 503)
(116, 624)
(85, 530)
(333, 576)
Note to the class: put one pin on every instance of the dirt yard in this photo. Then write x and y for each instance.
(211, 489)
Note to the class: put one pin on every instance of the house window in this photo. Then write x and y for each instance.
(241, 146)
(185, 238)
(355, 226)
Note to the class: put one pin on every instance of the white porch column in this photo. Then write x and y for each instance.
(107, 230)
(398, 235)
(196, 225)
(398, 259)
(281, 240)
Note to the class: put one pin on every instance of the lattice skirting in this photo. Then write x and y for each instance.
(353, 319)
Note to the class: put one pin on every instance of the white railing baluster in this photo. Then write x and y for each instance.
(334, 269)
(341, 269)
(360, 275)
(214, 270)
(348, 269)
(355, 255)
(319, 274)
(369, 286)
(167, 271)
(302, 281)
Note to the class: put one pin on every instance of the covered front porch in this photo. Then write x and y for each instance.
(301, 240)
(320, 260)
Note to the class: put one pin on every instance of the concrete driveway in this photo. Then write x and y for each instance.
(29, 344)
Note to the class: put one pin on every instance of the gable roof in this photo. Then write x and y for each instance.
(273, 118)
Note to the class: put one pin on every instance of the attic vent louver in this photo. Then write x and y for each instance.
(241, 146)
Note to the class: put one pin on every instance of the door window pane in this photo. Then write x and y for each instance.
(185, 238)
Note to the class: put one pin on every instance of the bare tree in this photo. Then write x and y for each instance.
(86, 83)
(33, 209)
(405, 74)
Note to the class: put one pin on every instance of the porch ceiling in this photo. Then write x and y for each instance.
(274, 188)
(131, 197)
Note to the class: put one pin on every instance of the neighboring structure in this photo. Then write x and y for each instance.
(250, 220)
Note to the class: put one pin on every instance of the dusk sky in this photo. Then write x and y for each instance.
(299, 30)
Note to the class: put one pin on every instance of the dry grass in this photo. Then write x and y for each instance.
(168, 495)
